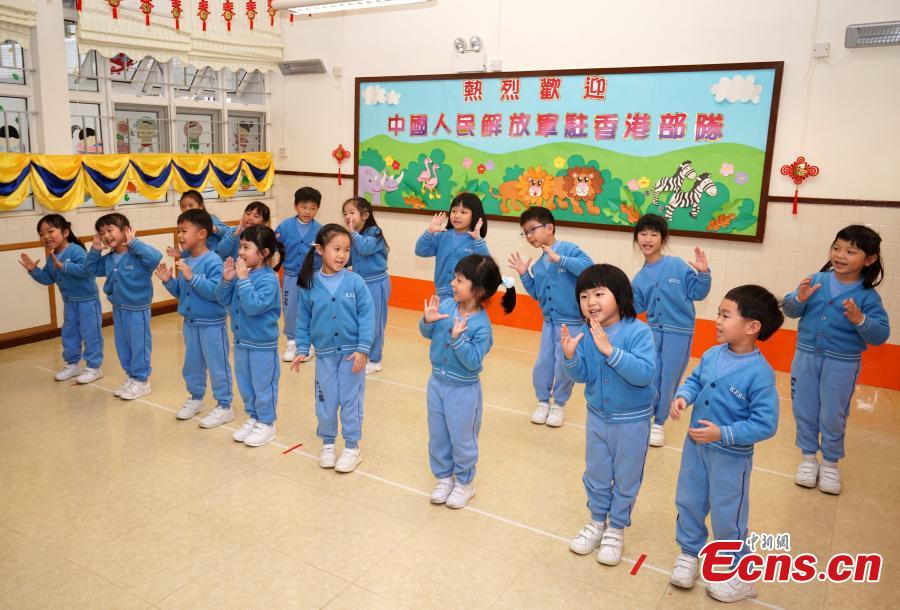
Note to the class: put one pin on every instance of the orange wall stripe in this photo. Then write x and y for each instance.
(878, 363)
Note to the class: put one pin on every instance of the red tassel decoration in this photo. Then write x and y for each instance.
(251, 12)
(114, 4)
(271, 11)
(292, 18)
(77, 5)
(176, 13)
(146, 8)
(228, 12)
(203, 12)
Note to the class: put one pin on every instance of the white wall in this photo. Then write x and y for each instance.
(840, 112)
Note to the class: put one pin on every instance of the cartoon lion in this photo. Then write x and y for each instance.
(534, 187)
(581, 185)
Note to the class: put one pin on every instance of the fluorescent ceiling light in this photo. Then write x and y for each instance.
(882, 34)
(317, 7)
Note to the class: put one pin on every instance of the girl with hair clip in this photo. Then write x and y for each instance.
(255, 214)
(469, 228)
(337, 315)
(250, 290)
(368, 257)
(82, 318)
(461, 336)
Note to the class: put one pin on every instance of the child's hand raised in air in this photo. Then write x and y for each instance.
(601, 339)
(551, 254)
(804, 290)
(164, 273)
(707, 434)
(476, 232)
(129, 236)
(432, 310)
(438, 223)
(700, 264)
(97, 243)
(518, 264)
(26, 262)
(853, 312)
(228, 269)
(184, 269)
(678, 405)
(240, 269)
(359, 361)
(56, 262)
(460, 324)
(568, 342)
(173, 252)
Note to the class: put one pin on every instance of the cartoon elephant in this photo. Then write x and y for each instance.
(369, 180)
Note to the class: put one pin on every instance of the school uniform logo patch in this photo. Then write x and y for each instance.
(737, 393)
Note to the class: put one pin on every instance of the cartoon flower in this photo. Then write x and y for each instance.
(395, 165)
(559, 163)
(480, 168)
(741, 177)
(727, 169)
(644, 182)
(467, 162)
(489, 165)
(633, 185)
(389, 160)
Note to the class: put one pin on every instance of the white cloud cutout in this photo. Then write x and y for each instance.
(374, 95)
(737, 89)
(393, 98)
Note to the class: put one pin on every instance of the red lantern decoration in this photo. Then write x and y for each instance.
(271, 11)
(146, 8)
(228, 12)
(114, 5)
(176, 13)
(340, 155)
(203, 12)
(251, 12)
(798, 171)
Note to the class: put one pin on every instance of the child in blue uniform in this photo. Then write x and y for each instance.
(255, 214)
(128, 270)
(205, 337)
(460, 334)
(249, 289)
(82, 318)
(616, 365)
(469, 228)
(368, 257)
(840, 316)
(666, 288)
(735, 407)
(193, 200)
(551, 281)
(336, 315)
(297, 234)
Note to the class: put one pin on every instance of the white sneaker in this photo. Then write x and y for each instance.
(684, 573)
(732, 590)
(460, 495)
(240, 435)
(807, 472)
(349, 460)
(217, 417)
(190, 408)
(89, 375)
(118, 391)
(611, 544)
(588, 538)
(71, 370)
(657, 435)
(556, 417)
(373, 367)
(442, 490)
(291, 352)
(260, 435)
(829, 478)
(327, 456)
(136, 390)
(539, 415)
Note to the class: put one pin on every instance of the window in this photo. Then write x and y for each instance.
(14, 125)
(142, 77)
(12, 63)
(194, 83)
(86, 130)
(244, 87)
(245, 133)
(140, 130)
(196, 132)
(81, 67)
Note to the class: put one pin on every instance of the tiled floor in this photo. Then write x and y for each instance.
(109, 504)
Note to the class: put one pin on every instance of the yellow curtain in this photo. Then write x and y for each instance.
(111, 167)
(57, 181)
(12, 168)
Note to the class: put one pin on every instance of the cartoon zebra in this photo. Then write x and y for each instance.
(691, 199)
(673, 183)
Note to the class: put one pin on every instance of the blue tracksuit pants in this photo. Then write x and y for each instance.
(454, 420)
(206, 348)
(339, 393)
(82, 325)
